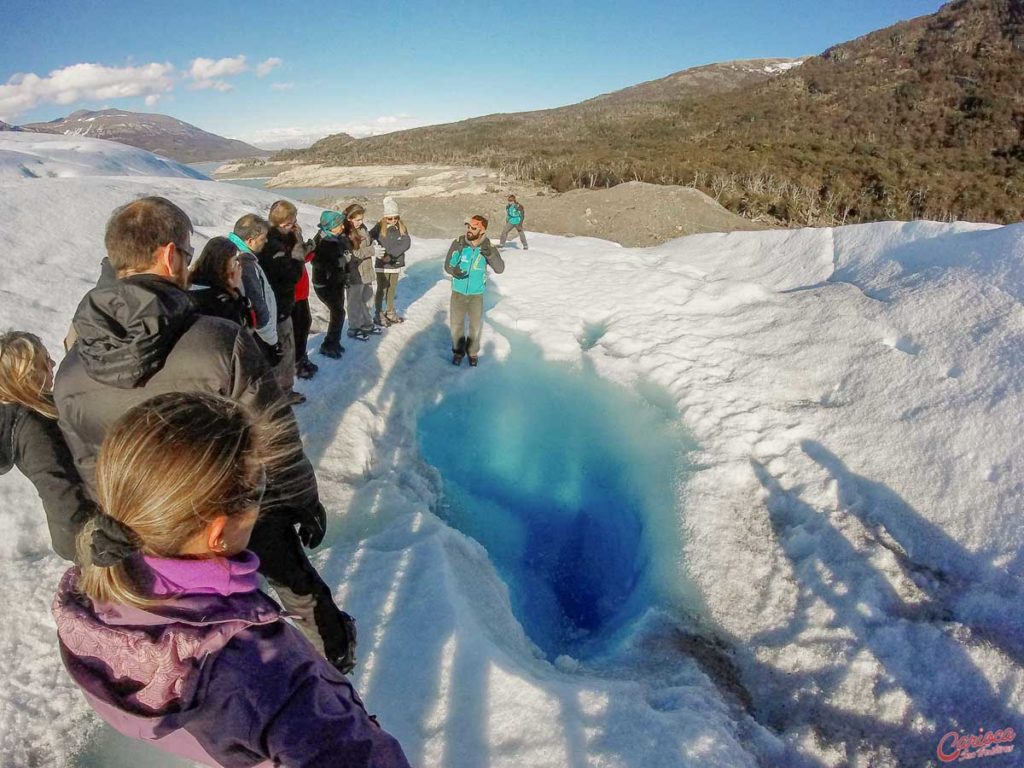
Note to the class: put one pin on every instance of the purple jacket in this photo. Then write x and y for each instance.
(213, 674)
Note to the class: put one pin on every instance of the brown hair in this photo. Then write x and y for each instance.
(281, 211)
(137, 229)
(481, 219)
(214, 264)
(351, 231)
(23, 361)
(251, 226)
(166, 469)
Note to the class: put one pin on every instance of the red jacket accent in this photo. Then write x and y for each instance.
(302, 287)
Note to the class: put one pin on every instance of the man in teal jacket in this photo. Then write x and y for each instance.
(467, 262)
(514, 218)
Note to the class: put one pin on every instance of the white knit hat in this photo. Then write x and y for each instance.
(390, 206)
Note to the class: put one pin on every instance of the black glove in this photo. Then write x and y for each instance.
(459, 274)
(313, 527)
(342, 650)
(273, 352)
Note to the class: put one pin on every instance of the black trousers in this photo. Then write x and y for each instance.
(334, 299)
(302, 320)
(283, 561)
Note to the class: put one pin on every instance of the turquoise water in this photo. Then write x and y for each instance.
(572, 485)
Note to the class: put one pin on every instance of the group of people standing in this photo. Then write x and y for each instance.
(173, 476)
(346, 264)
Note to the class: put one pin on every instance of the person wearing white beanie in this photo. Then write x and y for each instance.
(393, 237)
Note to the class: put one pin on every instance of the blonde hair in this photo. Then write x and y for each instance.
(166, 469)
(281, 211)
(23, 362)
(383, 224)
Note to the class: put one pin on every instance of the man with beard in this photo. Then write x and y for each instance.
(467, 262)
(139, 335)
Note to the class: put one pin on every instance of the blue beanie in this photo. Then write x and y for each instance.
(330, 219)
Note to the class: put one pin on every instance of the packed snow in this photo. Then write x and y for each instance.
(850, 521)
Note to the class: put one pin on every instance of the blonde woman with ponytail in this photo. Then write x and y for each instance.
(164, 627)
(31, 440)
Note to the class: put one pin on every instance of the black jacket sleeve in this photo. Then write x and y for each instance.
(43, 457)
(292, 488)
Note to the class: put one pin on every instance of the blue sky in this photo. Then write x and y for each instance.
(376, 66)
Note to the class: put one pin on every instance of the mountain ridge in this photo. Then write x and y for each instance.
(921, 119)
(158, 133)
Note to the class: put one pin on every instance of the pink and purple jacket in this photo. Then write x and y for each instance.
(213, 674)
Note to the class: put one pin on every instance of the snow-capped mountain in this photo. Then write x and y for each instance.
(161, 134)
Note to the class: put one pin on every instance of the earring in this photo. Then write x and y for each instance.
(219, 545)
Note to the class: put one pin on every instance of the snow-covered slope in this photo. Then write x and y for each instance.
(36, 155)
(853, 524)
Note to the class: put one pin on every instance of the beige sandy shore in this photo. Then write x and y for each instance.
(436, 200)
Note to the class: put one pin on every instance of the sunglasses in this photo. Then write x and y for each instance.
(187, 252)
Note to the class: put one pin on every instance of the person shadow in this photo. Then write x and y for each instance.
(877, 607)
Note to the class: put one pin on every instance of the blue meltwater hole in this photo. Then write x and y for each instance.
(572, 485)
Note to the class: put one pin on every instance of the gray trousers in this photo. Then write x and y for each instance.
(284, 371)
(509, 226)
(461, 307)
(360, 314)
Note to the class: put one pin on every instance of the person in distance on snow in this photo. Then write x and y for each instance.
(355, 240)
(330, 278)
(31, 440)
(393, 237)
(164, 627)
(467, 261)
(139, 335)
(283, 261)
(514, 218)
(216, 283)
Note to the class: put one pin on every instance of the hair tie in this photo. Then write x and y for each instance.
(112, 541)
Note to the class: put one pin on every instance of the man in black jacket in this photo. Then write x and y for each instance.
(139, 335)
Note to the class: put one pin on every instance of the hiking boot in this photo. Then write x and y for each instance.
(359, 334)
(526, 247)
(375, 329)
(457, 358)
(295, 398)
(472, 361)
(305, 368)
(334, 351)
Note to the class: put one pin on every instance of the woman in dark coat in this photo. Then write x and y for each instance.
(330, 279)
(216, 282)
(31, 440)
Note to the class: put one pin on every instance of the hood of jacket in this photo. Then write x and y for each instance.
(127, 327)
(144, 662)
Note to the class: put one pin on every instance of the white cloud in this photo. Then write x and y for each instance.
(153, 99)
(298, 137)
(208, 74)
(264, 67)
(281, 86)
(83, 81)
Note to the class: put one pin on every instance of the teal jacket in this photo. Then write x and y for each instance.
(514, 213)
(472, 262)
